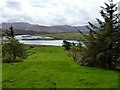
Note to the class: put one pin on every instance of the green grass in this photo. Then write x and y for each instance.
(67, 35)
(0, 75)
(49, 67)
(0, 65)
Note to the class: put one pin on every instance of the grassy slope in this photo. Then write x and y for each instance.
(47, 66)
(67, 35)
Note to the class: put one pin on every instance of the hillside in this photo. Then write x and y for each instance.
(27, 28)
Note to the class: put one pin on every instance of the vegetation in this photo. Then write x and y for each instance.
(51, 67)
(10, 33)
(64, 36)
(74, 50)
(103, 47)
(38, 39)
(66, 45)
(12, 49)
(76, 53)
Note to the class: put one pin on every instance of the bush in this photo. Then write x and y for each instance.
(18, 59)
(6, 58)
(13, 51)
(66, 45)
(74, 53)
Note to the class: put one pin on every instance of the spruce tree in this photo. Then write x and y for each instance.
(103, 42)
(10, 32)
(12, 49)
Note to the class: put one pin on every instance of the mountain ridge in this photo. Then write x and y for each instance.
(27, 28)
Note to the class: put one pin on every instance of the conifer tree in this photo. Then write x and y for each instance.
(12, 49)
(103, 45)
(10, 32)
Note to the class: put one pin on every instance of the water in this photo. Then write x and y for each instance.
(41, 42)
(46, 42)
(19, 37)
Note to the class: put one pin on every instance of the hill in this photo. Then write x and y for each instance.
(27, 28)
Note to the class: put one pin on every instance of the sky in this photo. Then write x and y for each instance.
(51, 12)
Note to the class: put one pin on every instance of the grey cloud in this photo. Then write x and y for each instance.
(21, 18)
(13, 5)
(52, 12)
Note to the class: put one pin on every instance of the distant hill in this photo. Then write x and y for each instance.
(27, 28)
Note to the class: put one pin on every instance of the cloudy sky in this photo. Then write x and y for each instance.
(51, 12)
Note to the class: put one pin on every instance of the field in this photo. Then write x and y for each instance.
(50, 67)
(64, 36)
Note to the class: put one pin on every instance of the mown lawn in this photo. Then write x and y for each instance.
(50, 67)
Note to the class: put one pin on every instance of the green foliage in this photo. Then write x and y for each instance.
(66, 45)
(6, 58)
(76, 52)
(63, 36)
(13, 51)
(10, 32)
(103, 46)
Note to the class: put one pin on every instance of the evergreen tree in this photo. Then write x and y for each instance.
(10, 32)
(12, 49)
(103, 45)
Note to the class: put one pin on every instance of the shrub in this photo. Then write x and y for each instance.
(6, 58)
(13, 51)
(66, 45)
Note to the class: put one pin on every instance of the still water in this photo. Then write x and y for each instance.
(41, 42)
(46, 42)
